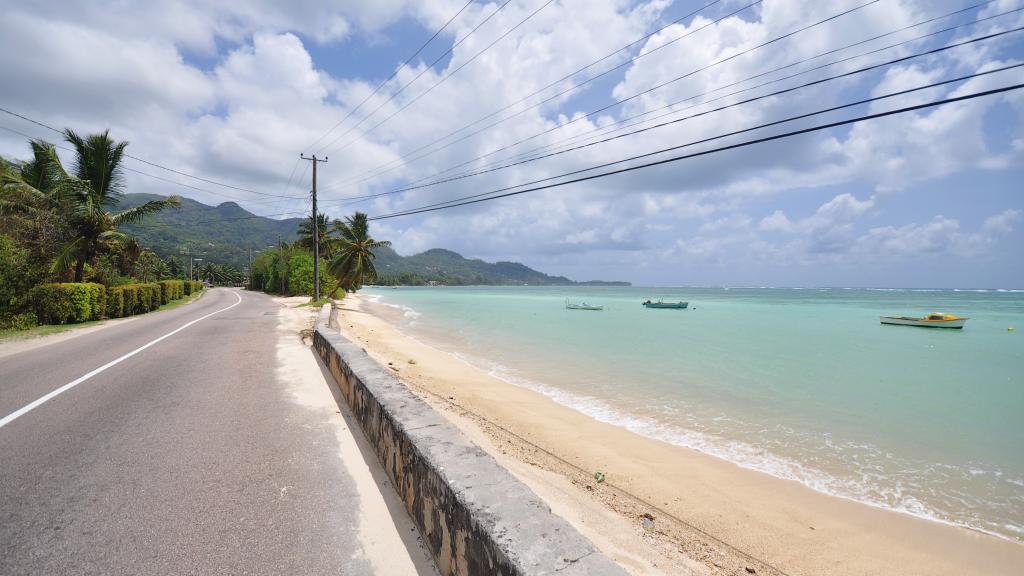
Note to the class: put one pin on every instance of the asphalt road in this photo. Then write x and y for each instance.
(189, 457)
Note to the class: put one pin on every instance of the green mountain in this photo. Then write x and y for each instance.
(447, 267)
(223, 234)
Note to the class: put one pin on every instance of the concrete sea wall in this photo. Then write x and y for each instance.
(475, 516)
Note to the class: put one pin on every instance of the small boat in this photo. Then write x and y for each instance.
(583, 306)
(663, 304)
(935, 320)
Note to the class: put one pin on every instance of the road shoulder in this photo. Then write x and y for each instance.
(389, 540)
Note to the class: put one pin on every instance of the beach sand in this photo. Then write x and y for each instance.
(704, 515)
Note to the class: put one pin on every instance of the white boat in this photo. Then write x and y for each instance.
(583, 306)
(935, 320)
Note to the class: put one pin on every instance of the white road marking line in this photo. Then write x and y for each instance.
(28, 408)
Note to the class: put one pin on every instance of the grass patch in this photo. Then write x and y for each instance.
(180, 302)
(48, 329)
(44, 330)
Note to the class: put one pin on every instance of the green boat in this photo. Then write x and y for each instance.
(663, 304)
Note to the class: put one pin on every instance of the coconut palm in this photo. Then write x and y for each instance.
(305, 239)
(352, 264)
(30, 194)
(92, 189)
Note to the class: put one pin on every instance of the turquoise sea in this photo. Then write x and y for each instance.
(803, 384)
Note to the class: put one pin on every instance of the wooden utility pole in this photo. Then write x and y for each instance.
(316, 230)
(280, 262)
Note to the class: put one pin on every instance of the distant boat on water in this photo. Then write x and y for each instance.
(582, 306)
(935, 320)
(663, 304)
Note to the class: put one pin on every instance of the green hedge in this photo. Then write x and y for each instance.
(69, 302)
(131, 299)
(72, 302)
(171, 290)
(115, 302)
(149, 298)
(138, 299)
(22, 321)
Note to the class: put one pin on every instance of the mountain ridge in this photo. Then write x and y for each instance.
(224, 234)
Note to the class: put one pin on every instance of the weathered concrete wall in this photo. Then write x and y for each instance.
(476, 517)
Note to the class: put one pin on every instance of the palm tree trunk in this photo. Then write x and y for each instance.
(80, 265)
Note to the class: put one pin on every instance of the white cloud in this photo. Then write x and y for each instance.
(775, 222)
(843, 207)
(259, 98)
(1001, 223)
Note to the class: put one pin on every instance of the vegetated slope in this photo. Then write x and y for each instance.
(447, 267)
(223, 234)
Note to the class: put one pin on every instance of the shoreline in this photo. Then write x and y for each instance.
(706, 510)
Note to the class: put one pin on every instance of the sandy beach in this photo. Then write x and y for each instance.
(664, 509)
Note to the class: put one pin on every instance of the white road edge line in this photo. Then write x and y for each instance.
(28, 408)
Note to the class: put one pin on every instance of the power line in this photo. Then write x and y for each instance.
(144, 161)
(622, 124)
(393, 74)
(444, 78)
(666, 83)
(476, 198)
(570, 75)
(417, 77)
(706, 112)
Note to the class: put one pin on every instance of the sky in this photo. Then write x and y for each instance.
(234, 92)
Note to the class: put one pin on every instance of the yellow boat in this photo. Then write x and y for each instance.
(934, 320)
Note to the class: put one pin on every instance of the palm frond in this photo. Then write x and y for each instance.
(69, 253)
(134, 215)
(98, 160)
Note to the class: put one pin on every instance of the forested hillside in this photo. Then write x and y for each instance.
(223, 234)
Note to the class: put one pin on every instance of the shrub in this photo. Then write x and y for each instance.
(149, 298)
(130, 293)
(68, 302)
(300, 275)
(22, 321)
(143, 300)
(115, 302)
(171, 290)
(16, 278)
(140, 298)
(154, 296)
(192, 286)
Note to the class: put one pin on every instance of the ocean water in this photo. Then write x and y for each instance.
(804, 384)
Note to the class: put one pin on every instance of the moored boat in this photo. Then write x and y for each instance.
(935, 320)
(583, 306)
(663, 304)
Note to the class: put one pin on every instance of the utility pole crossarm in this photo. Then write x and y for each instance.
(316, 229)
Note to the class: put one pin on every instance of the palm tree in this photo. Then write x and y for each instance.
(95, 187)
(30, 195)
(352, 264)
(305, 239)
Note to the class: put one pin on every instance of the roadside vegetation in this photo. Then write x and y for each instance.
(346, 259)
(64, 257)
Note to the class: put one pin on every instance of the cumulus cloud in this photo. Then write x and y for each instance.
(233, 92)
(1001, 223)
(775, 222)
